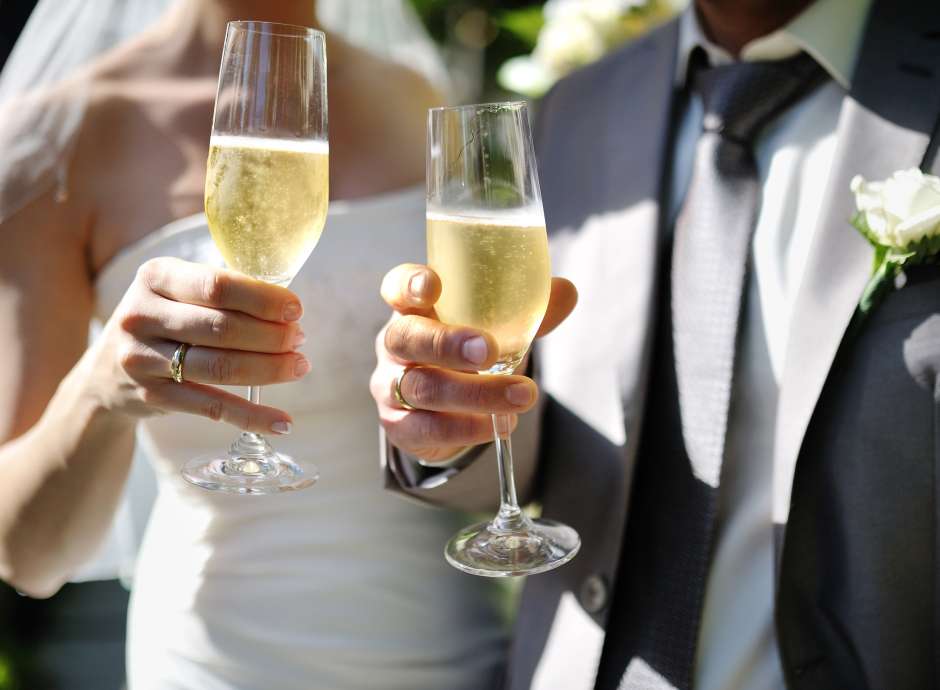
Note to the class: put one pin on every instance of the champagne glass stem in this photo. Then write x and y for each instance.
(510, 516)
(248, 451)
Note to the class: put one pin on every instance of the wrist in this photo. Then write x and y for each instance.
(86, 397)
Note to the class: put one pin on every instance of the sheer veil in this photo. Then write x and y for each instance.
(37, 127)
(38, 123)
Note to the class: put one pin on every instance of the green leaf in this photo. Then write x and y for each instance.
(525, 23)
(897, 256)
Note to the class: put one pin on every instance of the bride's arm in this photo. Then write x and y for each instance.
(67, 414)
(63, 460)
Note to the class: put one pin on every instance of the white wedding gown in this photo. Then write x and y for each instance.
(342, 586)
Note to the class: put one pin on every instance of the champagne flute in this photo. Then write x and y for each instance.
(487, 242)
(267, 192)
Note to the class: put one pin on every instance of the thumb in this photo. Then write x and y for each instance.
(411, 289)
(561, 303)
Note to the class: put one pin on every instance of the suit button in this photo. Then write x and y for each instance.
(594, 594)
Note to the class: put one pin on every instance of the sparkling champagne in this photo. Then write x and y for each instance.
(496, 276)
(266, 203)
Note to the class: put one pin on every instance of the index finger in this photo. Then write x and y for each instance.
(207, 286)
(418, 339)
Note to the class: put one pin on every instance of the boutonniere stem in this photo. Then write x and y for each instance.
(900, 218)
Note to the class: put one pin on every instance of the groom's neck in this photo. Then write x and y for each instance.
(732, 24)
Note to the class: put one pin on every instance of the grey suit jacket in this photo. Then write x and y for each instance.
(858, 420)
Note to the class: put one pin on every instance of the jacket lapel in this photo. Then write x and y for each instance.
(884, 126)
(609, 246)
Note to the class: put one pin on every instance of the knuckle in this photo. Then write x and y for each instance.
(396, 431)
(287, 337)
(396, 335)
(221, 368)
(150, 271)
(389, 288)
(246, 420)
(426, 429)
(380, 347)
(215, 288)
(213, 409)
(284, 367)
(439, 344)
(151, 396)
(220, 327)
(425, 387)
(377, 384)
(130, 357)
(461, 428)
(476, 395)
(391, 425)
(131, 321)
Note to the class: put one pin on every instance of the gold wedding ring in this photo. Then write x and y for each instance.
(176, 363)
(399, 398)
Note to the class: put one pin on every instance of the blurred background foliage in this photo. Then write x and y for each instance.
(478, 36)
(496, 49)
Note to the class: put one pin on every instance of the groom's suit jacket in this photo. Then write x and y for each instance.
(858, 428)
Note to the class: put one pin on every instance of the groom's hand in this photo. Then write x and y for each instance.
(434, 365)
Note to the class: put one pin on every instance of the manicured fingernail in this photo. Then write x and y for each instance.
(293, 311)
(282, 428)
(299, 339)
(519, 394)
(301, 367)
(474, 350)
(418, 284)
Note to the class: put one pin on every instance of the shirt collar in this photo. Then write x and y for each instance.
(813, 30)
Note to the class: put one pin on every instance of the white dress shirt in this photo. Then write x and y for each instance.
(737, 643)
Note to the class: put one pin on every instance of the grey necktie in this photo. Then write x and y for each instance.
(653, 628)
(713, 235)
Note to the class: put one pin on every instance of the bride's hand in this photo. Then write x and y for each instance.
(434, 366)
(241, 331)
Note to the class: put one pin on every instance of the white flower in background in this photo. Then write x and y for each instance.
(578, 32)
(901, 210)
(900, 217)
(605, 15)
(566, 44)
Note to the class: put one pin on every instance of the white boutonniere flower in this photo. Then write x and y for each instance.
(900, 217)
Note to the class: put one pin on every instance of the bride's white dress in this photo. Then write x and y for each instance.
(342, 586)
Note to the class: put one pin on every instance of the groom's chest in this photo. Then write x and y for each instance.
(610, 226)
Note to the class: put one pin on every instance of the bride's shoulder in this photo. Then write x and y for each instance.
(395, 97)
(138, 78)
(135, 103)
(393, 91)
(377, 126)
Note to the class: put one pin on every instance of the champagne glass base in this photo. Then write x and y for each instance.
(270, 474)
(535, 546)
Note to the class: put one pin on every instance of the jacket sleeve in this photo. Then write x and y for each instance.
(471, 483)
